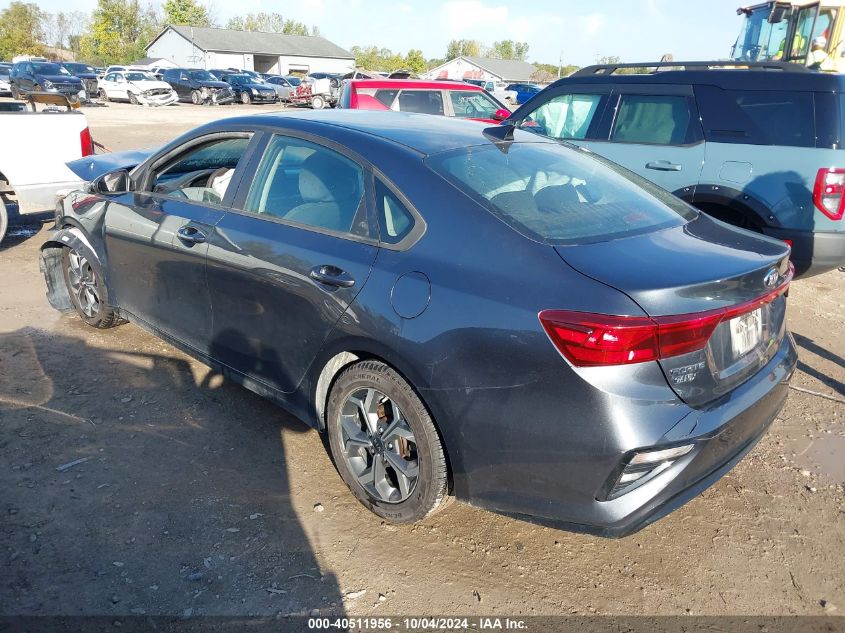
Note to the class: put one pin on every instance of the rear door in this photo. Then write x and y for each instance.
(157, 236)
(288, 260)
(655, 131)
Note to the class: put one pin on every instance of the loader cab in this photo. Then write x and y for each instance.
(786, 31)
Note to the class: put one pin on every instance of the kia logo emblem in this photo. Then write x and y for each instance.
(771, 278)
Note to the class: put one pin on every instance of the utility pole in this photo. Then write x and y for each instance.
(559, 64)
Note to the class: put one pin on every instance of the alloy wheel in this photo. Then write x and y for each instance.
(378, 446)
(83, 284)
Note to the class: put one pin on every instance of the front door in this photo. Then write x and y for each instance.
(284, 267)
(157, 238)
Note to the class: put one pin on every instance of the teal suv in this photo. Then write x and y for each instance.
(757, 146)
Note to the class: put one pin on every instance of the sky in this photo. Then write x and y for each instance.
(572, 30)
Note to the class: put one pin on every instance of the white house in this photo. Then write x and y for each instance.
(276, 53)
(488, 69)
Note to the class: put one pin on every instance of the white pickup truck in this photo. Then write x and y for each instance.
(35, 148)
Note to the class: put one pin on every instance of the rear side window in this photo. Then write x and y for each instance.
(421, 101)
(654, 119)
(757, 117)
(566, 116)
(311, 185)
(385, 96)
(395, 221)
(558, 195)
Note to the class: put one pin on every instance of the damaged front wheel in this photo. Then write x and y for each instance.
(87, 291)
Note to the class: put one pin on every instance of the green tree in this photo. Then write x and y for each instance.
(186, 13)
(21, 31)
(549, 72)
(269, 23)
(119, 32)
(415, 61)
(468, 48)
(508, 49)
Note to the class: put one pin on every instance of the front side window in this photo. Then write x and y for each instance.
(203, 173)
(469, 104)
(558, 195)
(566, 116)
(655, 119)
(311, 185)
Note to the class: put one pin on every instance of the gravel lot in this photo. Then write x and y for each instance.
(198, 497)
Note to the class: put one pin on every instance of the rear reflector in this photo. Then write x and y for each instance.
(86, 142)
(829, 192)
(590, 340)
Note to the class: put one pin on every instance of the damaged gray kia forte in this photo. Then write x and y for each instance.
(466, 311)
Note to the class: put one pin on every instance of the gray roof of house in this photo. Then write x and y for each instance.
(229, 41)
(507, 69)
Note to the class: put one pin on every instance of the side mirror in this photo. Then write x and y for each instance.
(116, 181)
(501, 114)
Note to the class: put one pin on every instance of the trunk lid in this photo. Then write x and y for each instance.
(703, 266)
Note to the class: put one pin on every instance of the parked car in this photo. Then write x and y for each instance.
(5, 81)
(198, 86)
(88, 75)
(44, 77)
(246, 90)
(757, 147)
(137, 88)
(598, 353)
(282, 86)
(30, 177)
(523, 91)
(460, 100)
(498, 89)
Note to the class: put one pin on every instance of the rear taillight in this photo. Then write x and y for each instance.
(86, 142)
(829, 192)
(591, 340)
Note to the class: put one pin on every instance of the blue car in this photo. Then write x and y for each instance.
(465, 311)
(524, 91)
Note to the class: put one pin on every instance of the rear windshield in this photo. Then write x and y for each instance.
(558, 195)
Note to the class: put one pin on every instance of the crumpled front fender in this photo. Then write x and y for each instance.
(50, 264)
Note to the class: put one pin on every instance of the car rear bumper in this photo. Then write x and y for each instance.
(721, 434)
(813, 252)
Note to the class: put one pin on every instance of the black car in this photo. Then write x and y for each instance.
(43, 77)
(87, 73)
(197, 86)
(247, 90)
(465, 310)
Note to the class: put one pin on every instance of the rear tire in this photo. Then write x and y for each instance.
(4, 220)
(392, 458)
(245, 98)
(318, 103)
(87, 291)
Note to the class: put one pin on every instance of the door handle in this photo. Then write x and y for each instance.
(663, 165)
(191, 234)
(332, 276)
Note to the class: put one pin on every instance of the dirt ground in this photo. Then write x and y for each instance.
(197, 497)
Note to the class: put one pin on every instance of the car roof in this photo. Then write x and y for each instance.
(407, 84)
(735, 79)
(422, 133)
